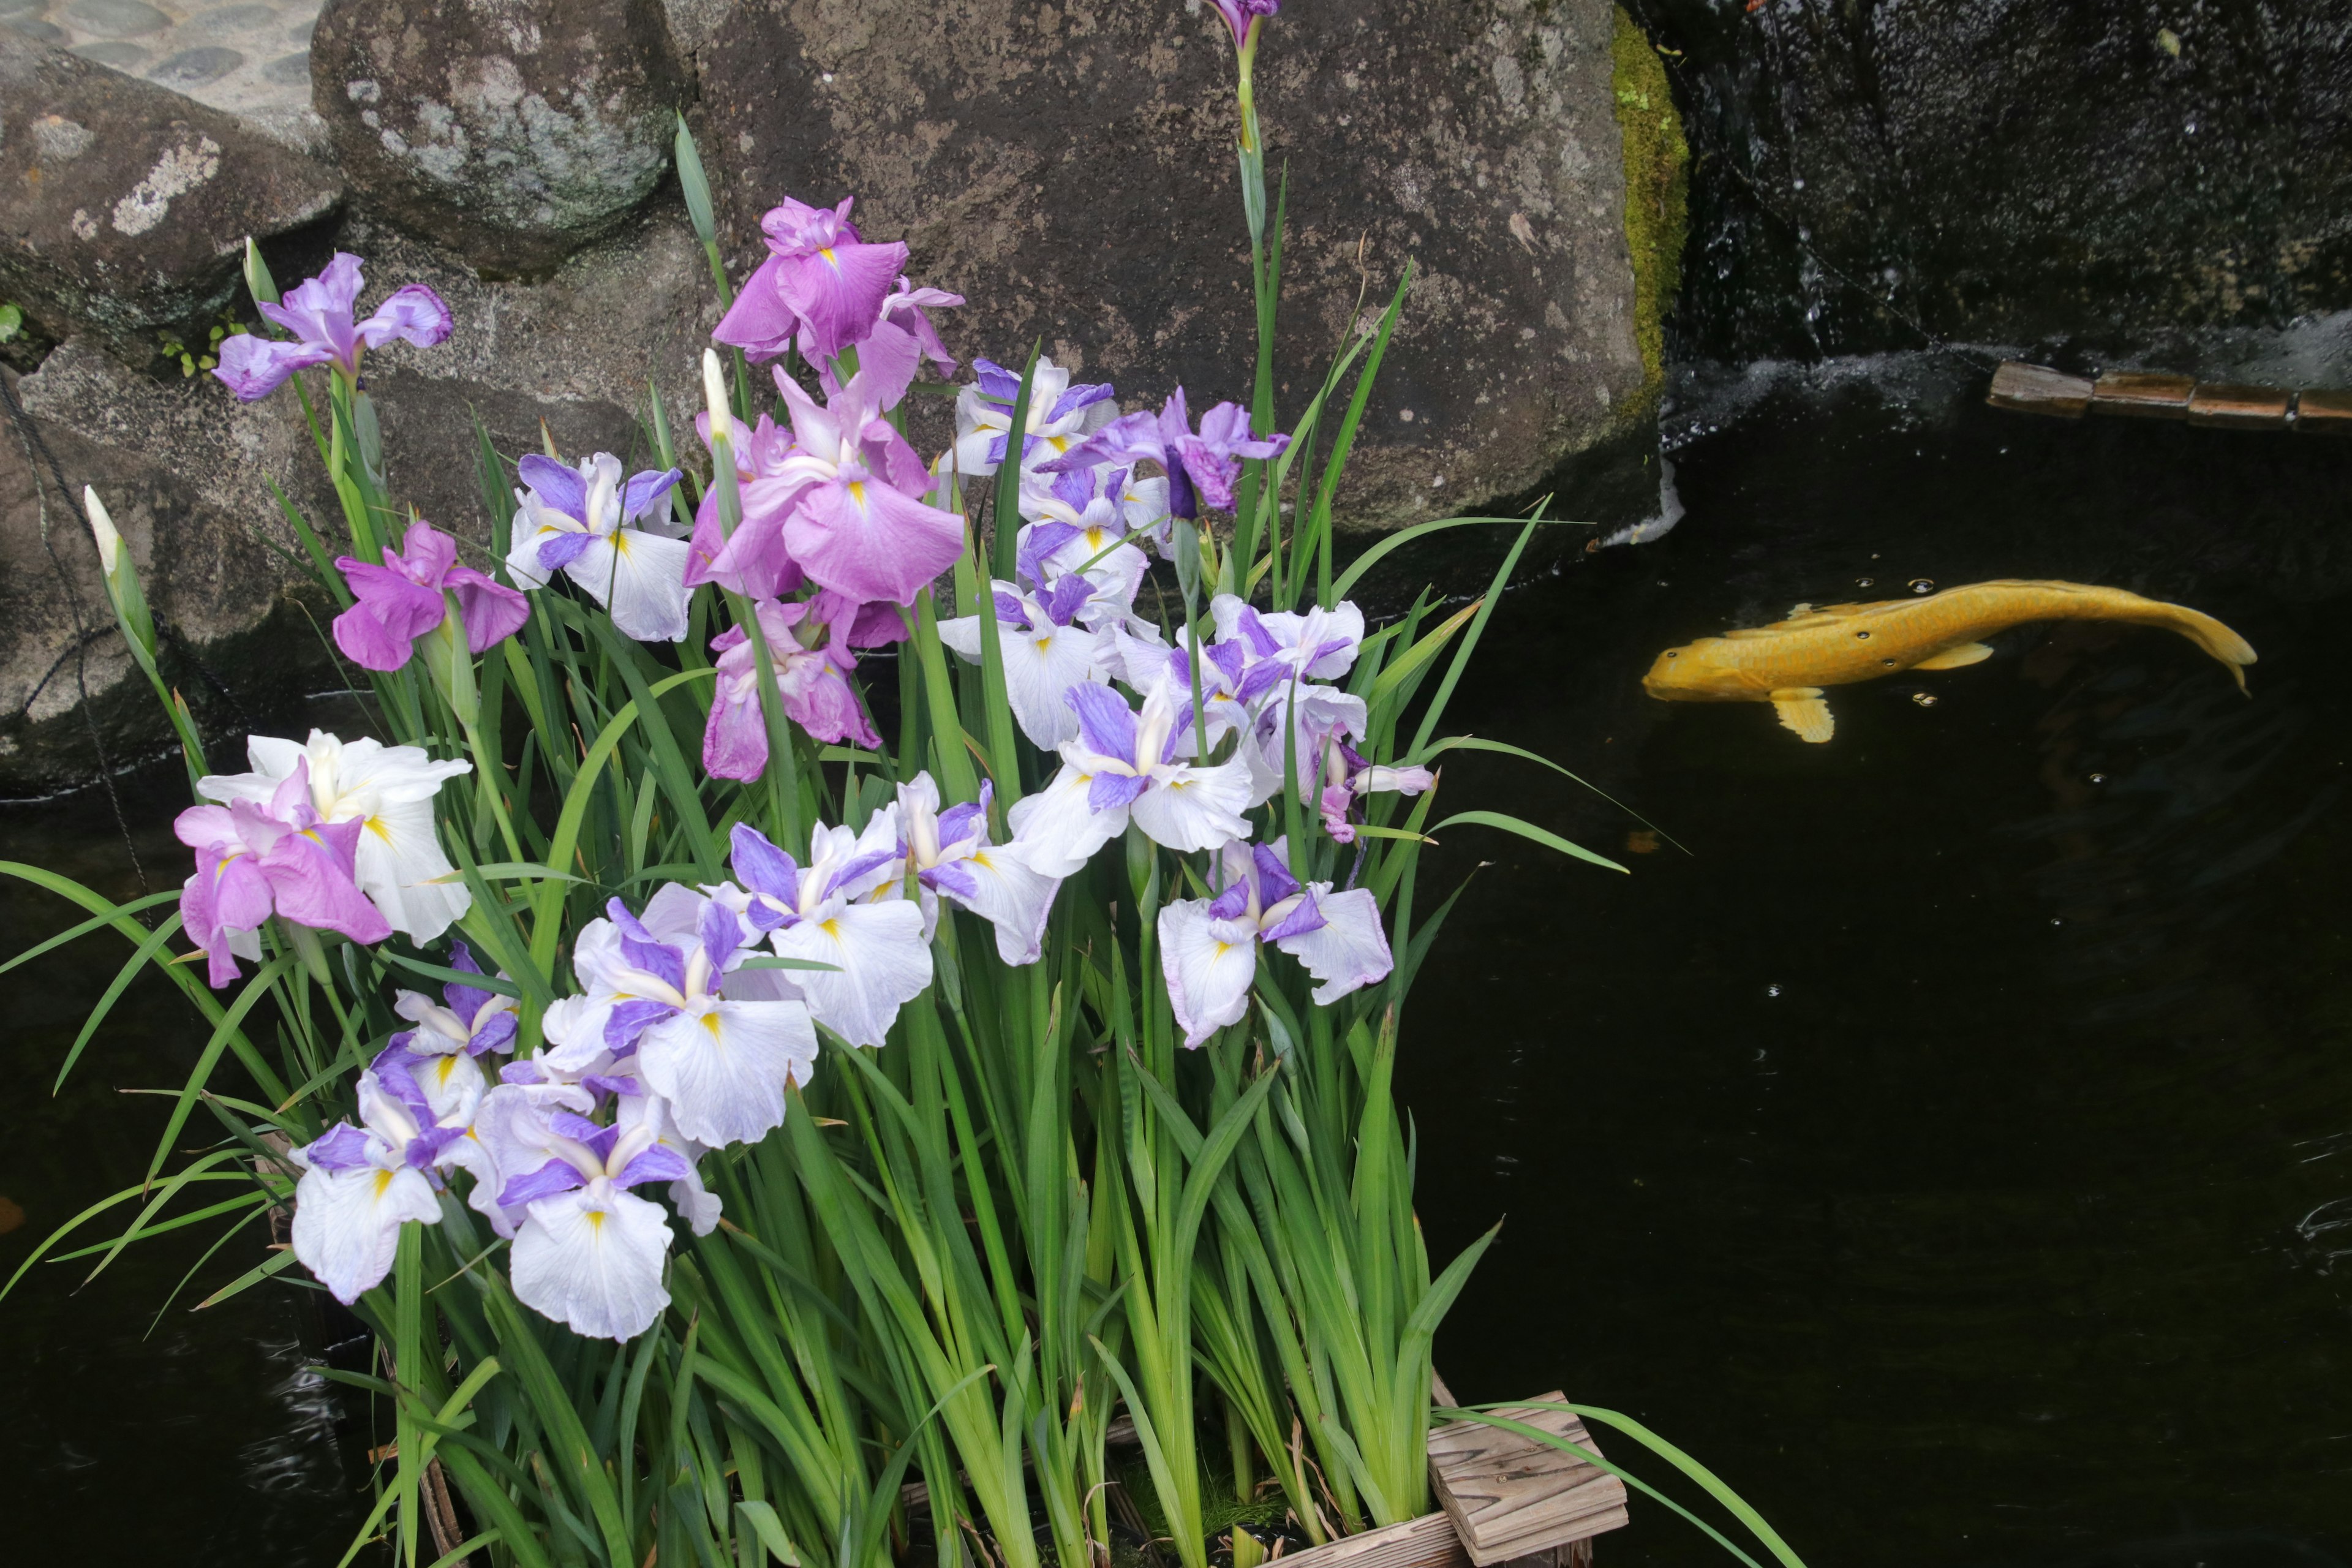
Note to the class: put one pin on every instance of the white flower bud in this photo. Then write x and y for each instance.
(714, 392)
(101, 527)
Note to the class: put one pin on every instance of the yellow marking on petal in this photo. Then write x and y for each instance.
(375, 825)
(831, 929)
(710, 1022)
(981, 859)
(448, 1064)
(857, 493)
(596, 1219)
(828, 253)
(620, 542)
(1044, 642)
(1222, 948)
(383, 1182)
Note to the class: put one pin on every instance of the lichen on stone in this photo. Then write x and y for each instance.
(1657, 192)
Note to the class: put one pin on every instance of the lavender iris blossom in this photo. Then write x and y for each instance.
(440, 1053)
(720, 1051)
(821, 285)
(1128, 766)
(951, 858)
(1208, 947)
(1201, 468)
(360, 1184)
(1079, 523)
(1047, 651)
(611, 537)
(253, 861)
(318, 311)
(1061, 415)
(843, 910)
(589, 1252)
(408, 596)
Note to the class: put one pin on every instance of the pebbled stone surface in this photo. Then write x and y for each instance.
(231, 55)
(1070, 168)
(511, 131)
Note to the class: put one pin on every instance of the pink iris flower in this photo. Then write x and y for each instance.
(841, 505)
(408, 596)
(318, 311)
(821, 285)
(253, 861)
(1240, 14)
(812, 662)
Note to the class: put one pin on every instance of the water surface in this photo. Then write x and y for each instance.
(1955, 1147)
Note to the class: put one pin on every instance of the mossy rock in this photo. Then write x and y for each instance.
(1657, 194)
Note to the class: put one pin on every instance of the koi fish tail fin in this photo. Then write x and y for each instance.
(2214, 638)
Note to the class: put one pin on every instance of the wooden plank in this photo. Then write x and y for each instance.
(2318, 413)
(1429, 1542)
(2229, 407)
(1510, 1496)
(2036, 389)
(2142, 394)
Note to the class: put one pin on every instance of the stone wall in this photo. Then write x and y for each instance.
(2009, 171)
(1068, 167)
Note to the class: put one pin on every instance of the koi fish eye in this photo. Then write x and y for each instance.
(1673, 653)
(1887, 662)
(1862, 636)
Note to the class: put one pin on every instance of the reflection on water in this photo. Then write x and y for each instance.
(130, 1434)
(1955, 1148)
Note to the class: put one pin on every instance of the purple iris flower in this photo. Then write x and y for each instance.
(408, 596)
(1240, 14)
(318, 311)
(473, 1020)
(253, 861)
(1205, 465)
(1209, 947)
(589, 1159)
(821, 285)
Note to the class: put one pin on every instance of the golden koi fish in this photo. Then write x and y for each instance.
(1789, 662)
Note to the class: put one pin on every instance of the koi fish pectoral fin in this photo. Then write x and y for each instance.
(1801, 708)
(1959, 657)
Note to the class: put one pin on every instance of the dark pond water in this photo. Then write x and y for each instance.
(201, 1439)
(1954, 1149)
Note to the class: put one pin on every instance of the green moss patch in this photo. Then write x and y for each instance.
(1657, 192)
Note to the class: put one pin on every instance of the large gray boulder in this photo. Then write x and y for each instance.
(511, 131)
(2007, 171)
(186, 469)
(124, 207)
(1071, 170)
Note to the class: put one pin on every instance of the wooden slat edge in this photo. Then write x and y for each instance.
(1429, 1542)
